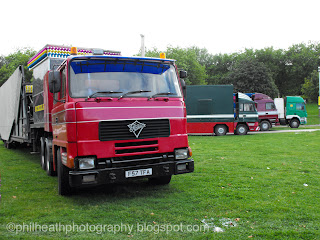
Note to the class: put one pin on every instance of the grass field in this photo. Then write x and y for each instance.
(262, 186)
(313, 114)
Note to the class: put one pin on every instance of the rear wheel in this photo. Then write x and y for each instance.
(220, 130)
(7, 145)
(49, 158)
(241, 129)
(265, 126)
(160, 180)
(63, 176)
(42, 152)
(294, 123)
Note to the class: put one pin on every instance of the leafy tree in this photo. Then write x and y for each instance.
(250, 75)
(310, 88)
(8, 64)
(220, 67)
(187, 60)
(301, 60)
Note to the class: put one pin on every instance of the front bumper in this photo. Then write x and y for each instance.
(117, 175)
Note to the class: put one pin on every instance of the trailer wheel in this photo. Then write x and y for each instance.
(164, 180)
(265, 126)
(42, 152)
(220, 130)
(241, 129)
(63, 177)
(294, 123)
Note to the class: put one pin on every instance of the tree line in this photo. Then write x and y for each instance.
(281, 72)
(275, 72)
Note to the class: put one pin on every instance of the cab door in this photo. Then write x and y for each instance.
(59, 112)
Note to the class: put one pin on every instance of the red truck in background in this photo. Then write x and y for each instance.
(267, 111)
(98, 117)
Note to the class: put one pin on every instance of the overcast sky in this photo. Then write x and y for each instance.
(223, 26)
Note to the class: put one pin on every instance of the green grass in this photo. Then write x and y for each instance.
(313, 114)
(255, 181)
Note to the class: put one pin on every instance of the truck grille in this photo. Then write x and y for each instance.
(131, 129)
(136, 147)
(141, 159)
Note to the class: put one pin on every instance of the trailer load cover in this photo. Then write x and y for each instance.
(10, 93)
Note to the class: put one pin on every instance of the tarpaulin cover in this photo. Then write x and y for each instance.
(9, 103)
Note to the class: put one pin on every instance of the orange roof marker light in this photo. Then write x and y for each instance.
(162, 55)
(74, 51)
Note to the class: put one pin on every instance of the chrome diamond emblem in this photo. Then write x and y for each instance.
(136, 128)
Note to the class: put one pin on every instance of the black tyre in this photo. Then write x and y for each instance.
(164, 180)
(8, 145)
(294, 123)
(220, 130)
(63, 177)
(241, 129)
(42, 153)
(49, 158)
(265, 126)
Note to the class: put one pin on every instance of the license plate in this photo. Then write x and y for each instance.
(139, 172)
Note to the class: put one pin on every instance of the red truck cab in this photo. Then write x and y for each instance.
(116, 118)
(267, 111)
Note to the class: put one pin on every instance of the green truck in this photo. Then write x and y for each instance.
(291, 110)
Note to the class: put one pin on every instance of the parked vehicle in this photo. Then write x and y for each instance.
(98, 117)
(267, 111)
(210, 109)
(292, 111)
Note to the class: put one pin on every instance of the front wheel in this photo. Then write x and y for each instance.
(265, 126)
(241, 129)
(63, 176)
(294, 123)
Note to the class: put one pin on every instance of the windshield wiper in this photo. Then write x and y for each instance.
(105, 92)
(163, 93)
(133, 92)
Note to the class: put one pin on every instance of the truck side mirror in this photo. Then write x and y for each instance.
(183, 74)
(54, 81)
(184, 88)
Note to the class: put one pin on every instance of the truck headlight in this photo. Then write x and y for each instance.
(86, 163)
(181, 154)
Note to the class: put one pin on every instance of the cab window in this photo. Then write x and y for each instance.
(300, 106)
(246, 107)
(63, 84)
(270, 106)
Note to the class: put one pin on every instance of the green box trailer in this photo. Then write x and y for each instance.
(214, 109)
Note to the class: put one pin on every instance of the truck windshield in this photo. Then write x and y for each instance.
(122, 78)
